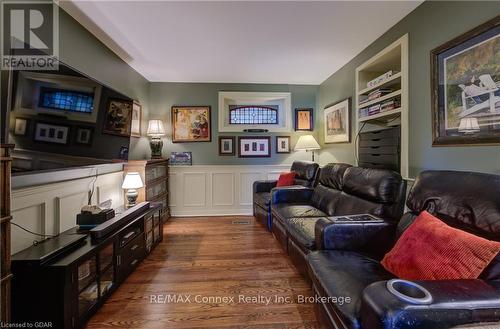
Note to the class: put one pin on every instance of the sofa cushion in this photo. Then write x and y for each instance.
(326, 199)
(431, 250)
(332, 175)
(286, 210)
(301, 230)
(286, 179)
(263, 199)
(306, 172)
(345, 274)
(377, 185)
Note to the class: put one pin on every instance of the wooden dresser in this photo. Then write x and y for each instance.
(5, 217)
(154, 174)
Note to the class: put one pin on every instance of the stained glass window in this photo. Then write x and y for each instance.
(68, 100)
(253, 114)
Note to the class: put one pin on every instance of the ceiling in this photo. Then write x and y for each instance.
(294, 42)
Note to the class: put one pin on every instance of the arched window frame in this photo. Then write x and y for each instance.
(268, 115)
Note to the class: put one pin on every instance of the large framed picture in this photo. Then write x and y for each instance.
(304, 119)
(191, 124)
(118, 117)
(254, 147)
(135, 124)
(466, 88)
(226, 145)
(337, 122)
(51, 133)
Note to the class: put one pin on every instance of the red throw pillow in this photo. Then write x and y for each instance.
(431, 250)
(286, 179)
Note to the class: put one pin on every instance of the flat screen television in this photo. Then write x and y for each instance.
(59, 119)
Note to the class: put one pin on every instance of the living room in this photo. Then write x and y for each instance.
(250, 164)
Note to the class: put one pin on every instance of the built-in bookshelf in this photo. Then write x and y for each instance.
(381, 99)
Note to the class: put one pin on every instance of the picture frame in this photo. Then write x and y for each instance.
(181, 159)
(282, 144)
(51, 133)
(136, 121)
(465, 88)
(123, 154)
(304, 119)
(337, 122)
(254, 146)
(226, 145)
(21, 127)
(83, 135)
(118, 117)
(191, 124)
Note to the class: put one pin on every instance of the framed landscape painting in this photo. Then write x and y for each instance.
(466, 88)
(191, 124)
(337, 122)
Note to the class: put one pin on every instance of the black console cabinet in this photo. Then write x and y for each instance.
(70, 289)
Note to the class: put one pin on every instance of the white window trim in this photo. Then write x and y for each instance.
(282, 99)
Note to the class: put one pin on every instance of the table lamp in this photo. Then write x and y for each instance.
(307, 143)
(155, 131)
(131, 183)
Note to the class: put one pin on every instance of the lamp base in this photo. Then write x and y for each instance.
(156, 145)
(131, 197)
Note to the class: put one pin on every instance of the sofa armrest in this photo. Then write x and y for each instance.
(374, 237)
(264, 185)
(291, 194)
(454, 302)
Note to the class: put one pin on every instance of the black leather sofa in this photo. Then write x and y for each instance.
(306, 175)
(350, 268)
(342, 190)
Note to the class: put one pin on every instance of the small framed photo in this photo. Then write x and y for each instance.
(304, 119)
(51, 133)
(135, 125)
(254, 147)
(123, 154)
(181, 159)
(226, 145)
(282, 144)
(20, 127)
(337, 122)
(84, 135)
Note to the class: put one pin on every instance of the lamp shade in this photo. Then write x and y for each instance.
(468, 125)
(132, 181)
(307, 142)
(155, 128)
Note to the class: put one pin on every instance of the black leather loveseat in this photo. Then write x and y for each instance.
(351, 268)
(306, 175)
(342, 190)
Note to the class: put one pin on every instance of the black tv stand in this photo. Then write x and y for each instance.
(69, 288)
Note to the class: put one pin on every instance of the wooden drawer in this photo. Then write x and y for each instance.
(155, 172)
(132, 246)
(155, 189)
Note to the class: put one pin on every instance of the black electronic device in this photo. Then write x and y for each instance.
(255, 130)
(88, 219)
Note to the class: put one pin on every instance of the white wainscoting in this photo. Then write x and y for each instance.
(216, 190)
(52, 208)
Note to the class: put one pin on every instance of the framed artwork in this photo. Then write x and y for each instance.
(118, 117)
(282, 144)
(254, 147)
(191, 124)
(84, 135)
(181, 159)
(337, 122)
(20, 127)
(135, 124)
(465, 75)
(51, 133)
(226, 145)
(304, 119)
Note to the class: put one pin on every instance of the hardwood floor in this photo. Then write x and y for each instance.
(210, 257)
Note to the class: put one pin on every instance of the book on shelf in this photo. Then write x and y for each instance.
(388, 105)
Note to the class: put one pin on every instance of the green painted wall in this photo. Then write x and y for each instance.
(164, 95)
(430, 25)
